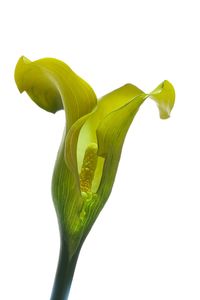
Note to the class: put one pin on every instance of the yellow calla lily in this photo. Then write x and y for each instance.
(90, 149)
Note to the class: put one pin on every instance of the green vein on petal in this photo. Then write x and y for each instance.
(163, 95)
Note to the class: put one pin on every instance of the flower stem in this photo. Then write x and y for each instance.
(64, 273)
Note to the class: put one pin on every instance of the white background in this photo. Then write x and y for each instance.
(146, 242)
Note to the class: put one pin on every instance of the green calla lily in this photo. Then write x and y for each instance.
(90, 150)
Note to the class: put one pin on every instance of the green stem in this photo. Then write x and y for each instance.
(64, 273)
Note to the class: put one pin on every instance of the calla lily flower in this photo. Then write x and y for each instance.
(90, 150)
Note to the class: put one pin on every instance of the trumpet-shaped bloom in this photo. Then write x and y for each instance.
(92, 142)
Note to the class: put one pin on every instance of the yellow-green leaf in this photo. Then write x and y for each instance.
(52, 85)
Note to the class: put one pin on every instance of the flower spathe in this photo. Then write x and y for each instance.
(95, 130)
